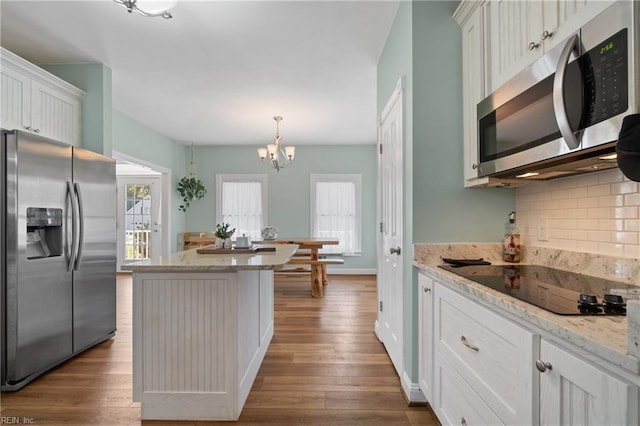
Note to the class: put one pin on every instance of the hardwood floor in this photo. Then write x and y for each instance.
(324, 367)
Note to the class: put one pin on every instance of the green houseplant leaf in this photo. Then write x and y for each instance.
(190, 188)
(223, 231)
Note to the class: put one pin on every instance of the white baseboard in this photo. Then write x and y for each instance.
(351, 271)
(412, 390)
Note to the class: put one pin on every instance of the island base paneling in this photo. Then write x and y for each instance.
(198, 341)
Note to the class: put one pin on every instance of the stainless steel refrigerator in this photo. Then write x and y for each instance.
(58, 254)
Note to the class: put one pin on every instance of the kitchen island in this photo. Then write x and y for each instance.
(201, 327)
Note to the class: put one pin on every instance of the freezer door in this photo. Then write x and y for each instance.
(37, 279)
(94, 278)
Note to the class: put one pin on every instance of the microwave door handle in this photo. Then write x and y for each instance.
(559, 106)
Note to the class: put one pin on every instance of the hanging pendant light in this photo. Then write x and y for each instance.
(279, 156)
(149, 8)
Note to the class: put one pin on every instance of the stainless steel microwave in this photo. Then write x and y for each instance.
(562, 115)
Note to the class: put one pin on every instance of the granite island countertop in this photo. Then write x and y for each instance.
(192, 261)
(604, 337)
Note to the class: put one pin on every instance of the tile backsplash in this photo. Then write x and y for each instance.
(594, 213)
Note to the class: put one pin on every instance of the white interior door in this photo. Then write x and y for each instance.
(139, 218)
(390, 276)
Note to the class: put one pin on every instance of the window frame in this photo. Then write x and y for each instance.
(356, 179)
(232, 177)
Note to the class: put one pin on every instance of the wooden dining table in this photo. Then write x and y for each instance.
(308, 254)
(314, 245)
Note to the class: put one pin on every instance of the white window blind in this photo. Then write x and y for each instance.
(241, 201)
(336, 211)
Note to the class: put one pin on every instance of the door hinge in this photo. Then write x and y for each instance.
(380, 149)
(381, 227)
(381, 306)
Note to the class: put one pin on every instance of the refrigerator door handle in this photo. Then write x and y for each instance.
(74, 207)
(76, 264)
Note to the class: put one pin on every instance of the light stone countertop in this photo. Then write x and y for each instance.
(192, 261)
(605, 337)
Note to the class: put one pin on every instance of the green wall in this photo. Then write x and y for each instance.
(133, 138)
(424, 46)
(288, 199)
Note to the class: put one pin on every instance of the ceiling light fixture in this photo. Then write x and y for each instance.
(149, 8)
(279, 155)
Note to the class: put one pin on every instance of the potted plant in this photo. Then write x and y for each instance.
(223, 235)
(190, 188)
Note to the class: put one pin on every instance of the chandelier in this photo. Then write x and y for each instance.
(279, 155)
(149, 8)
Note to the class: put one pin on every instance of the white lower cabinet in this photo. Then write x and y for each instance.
(492, 355)
(478, 367)
(425, 330)
(455, 402)
(574, 392)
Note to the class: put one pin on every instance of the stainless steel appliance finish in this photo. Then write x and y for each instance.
(59, 254)
(564, 112)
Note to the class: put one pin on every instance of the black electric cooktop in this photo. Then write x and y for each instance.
(557, 291)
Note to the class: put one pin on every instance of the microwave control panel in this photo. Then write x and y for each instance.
(606, 81)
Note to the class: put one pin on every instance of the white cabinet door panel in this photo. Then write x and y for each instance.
(425, 335)
(493, 355)
(15, 100)
(574, 392)
(455, 402)
(54, 114)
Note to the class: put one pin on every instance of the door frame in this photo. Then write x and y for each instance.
(167, 195)
(396, 96)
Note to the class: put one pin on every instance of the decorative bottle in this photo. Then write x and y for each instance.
(511, 243)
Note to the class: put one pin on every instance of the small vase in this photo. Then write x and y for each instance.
(269, 233)
(219, 243)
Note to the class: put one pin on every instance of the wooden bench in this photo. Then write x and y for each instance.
(317, 268)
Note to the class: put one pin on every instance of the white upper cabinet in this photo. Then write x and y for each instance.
(36, 101)
(520, 31)
(470, 17)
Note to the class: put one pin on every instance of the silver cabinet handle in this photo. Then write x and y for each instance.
(469, 345)
(474, 166)
(533, 46)
(426, 289)
(36, 130)
(542, 366)
(546, 34)
(27, 128)
(559, 105)
(395, 250)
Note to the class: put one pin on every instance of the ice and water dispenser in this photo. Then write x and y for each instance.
(44, 232)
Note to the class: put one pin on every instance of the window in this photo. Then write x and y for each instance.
(241, 200)
(336, 211)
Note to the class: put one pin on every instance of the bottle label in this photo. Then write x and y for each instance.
(511, 248)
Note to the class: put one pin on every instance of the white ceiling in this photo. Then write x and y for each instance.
(219, 71)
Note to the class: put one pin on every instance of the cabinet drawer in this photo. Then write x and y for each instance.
(455, 402)
(493, 355)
